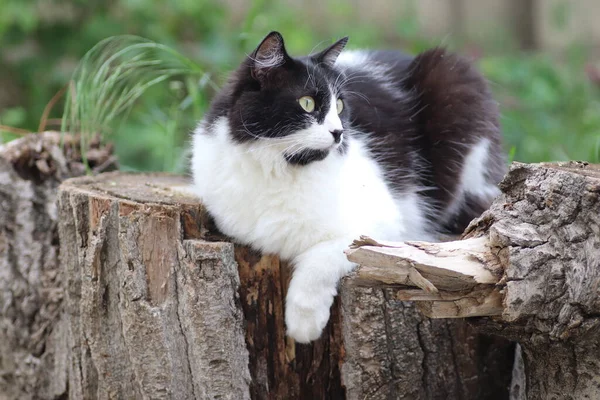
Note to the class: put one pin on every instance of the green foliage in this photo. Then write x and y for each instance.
(549, 106)
(110, 79)
(11, 117)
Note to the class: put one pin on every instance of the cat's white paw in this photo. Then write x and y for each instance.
(307, 313)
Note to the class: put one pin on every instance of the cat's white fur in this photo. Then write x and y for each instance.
(310, 214)
(472, 179)
(332, 120)
(306, 214)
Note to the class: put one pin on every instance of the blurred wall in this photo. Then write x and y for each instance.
(560, 22)
(528, 24)
(532, 24)
(538, 24)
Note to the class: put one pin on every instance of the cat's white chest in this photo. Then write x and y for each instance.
(260, 200)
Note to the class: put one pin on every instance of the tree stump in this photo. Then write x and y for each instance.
(33, 347)
(528, 268)
(160, 305)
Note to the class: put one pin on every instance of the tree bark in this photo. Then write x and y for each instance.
(159, 304)
(538, 249)
(33, 349)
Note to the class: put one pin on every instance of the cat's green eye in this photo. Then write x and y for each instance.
(339, 105)
(307, 103)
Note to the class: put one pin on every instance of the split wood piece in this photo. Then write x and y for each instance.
(457, 279)
(159, 304)
(531, 263)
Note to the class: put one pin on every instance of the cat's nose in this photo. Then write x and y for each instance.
(337, 135)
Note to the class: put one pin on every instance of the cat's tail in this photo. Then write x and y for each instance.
(459, 127)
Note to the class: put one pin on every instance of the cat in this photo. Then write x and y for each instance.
(299, 156)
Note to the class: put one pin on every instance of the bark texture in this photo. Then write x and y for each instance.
(151, 312)
(535, 257)
(159, 305)
(33, 349)
(545, 229)
(394, 352)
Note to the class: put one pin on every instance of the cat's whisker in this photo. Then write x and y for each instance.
(419, 111)
(310, 53)
(341, 74)
(352, 78)
(268, 143)
(357, 94)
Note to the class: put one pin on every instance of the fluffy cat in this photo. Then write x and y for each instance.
(299, 156)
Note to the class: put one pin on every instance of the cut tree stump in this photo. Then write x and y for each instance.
(33, 347)
(530, 265)
(158, 304)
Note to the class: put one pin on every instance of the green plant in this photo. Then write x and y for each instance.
(112, 77)
(549, 107)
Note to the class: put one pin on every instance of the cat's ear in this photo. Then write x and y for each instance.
(330, 54)
(269, 54)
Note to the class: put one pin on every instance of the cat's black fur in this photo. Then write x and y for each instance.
(265, 100)
(420, 122)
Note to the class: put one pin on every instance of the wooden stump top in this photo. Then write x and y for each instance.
(157, 188)
(152, 191)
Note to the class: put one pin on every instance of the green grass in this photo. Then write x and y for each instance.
(110, 80)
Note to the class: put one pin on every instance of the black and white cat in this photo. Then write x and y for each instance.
(299, 156)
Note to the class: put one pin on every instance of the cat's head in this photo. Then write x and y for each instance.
(295, 105)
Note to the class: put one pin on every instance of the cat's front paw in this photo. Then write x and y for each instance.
(305, 324)
(306, 314)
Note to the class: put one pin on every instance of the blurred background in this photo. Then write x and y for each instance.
(540, 56)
